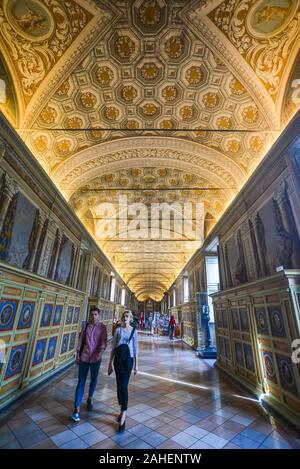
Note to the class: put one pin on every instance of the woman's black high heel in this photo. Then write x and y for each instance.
(122, 427)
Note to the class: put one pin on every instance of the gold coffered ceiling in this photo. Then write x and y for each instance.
(93, 80)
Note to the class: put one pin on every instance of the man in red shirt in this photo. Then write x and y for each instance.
(91, 344)
(172, 324)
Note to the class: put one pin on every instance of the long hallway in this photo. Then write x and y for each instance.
(175, 401)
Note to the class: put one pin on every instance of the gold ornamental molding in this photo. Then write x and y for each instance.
(136, 151)
(82, 45)
(213, 37)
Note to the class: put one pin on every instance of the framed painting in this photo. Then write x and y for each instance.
(239, 353)
(235, 319)
(8, 309)
(72, 341)
(51, 348)
(244, 320)
(276, 321)
(261, 321)
(26, 315)
(69, 316)
(64, 262)
(286, 374)
(39, 352)
(65, 343)
(269, 367)
(57, 315)
(21, 232)
(248, 353)
(76, 315)
(15, 361)
(46, 315)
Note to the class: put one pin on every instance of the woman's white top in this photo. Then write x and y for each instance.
(121, 336)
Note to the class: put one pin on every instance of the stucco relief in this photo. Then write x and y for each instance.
(33, 41)
(263, 32)
(151, 149)
(90, 170)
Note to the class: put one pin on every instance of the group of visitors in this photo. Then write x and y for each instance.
(154, 323)
(123, 359)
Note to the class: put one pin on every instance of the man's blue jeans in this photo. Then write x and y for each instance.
(82, 376)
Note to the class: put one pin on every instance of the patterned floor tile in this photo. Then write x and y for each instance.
(138, 444)
(83, 428)
(254, 435)
(168, 430)
(93, 437)
(245, 442)
(184, 439)
(180, 424)
(201, 445)
(154, 438)
(6, 438)
(63, 437)
(175, 396)
(139, 430)
(196, 432)
(214, 441)
(74, 444)
(27, 441)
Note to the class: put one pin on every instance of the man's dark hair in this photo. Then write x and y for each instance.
(94, 308)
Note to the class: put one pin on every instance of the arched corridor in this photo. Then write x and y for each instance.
(150, 170)
(176, 401)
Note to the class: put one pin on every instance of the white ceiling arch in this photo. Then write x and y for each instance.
(147, 150)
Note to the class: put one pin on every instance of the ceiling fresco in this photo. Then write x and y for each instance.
(160, 101)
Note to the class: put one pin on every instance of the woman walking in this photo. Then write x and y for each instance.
(91, 344)
(124, 356)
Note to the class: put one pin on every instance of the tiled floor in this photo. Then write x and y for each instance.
(176, 401)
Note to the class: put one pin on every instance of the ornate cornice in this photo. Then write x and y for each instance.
(184, 155)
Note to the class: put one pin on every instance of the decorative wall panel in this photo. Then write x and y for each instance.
(262, 334)
(26, 315)
(31, 327)
(41, 245)
(7, 314)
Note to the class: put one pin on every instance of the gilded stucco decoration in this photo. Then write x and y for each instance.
(264, 32)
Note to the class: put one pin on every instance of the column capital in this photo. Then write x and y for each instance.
(55, 230)
(279, 192)
(42, 216)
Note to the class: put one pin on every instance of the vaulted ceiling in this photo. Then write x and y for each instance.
(160, 101)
